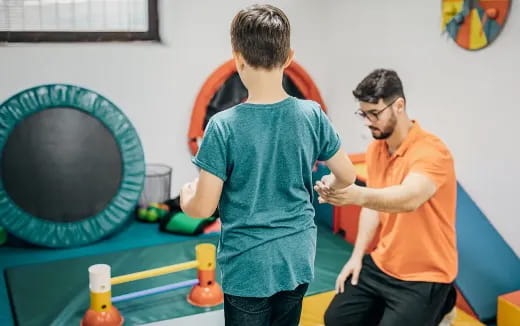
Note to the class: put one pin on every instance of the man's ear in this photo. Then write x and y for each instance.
(400, 104)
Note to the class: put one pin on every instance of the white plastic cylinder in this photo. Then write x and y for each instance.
(99, 278)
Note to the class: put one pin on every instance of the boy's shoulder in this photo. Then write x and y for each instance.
(303, 105)
(222, 117)
(309, 104)
(308, 108)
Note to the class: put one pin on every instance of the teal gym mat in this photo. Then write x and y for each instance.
(132, 235)
(56, 293)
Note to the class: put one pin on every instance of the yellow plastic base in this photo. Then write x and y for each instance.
(508, 312)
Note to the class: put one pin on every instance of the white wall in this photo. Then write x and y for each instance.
(154, 84)
(467, 98)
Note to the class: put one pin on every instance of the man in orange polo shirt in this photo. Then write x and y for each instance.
(410, 200)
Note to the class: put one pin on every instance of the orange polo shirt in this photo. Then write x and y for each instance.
(419, 245)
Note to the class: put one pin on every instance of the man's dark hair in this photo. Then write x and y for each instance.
(379, 84)
(261, 33)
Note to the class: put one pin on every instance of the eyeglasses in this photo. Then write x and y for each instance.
(372, 115)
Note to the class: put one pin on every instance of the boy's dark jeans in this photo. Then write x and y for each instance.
(281, 309)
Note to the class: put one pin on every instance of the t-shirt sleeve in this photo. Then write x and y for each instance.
(434, 163)
(329, 138)
(369, 161)
(212, 155)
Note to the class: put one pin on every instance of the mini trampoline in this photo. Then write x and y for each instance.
(71, 166)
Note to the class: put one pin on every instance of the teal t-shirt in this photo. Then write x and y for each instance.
(265, 154)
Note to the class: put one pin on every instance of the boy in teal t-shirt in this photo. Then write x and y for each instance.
(256, 163)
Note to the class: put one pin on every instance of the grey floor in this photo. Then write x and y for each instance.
(212, 318)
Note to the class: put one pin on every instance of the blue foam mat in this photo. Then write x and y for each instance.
(488, 267)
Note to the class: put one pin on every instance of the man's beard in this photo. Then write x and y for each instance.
(387, 131)
(383, 135)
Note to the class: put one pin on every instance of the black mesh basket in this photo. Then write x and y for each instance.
(157, 184)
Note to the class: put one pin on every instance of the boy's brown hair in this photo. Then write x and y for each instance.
(261, 34)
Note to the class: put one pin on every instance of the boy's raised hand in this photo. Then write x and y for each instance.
(188, 191)
(324, 186)
(352, 194)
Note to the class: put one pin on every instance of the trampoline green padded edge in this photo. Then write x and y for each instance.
(47, 233)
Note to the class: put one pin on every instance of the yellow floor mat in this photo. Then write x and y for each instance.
(314, 307)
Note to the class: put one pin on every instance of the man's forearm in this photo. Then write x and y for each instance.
(368, 223)
(394, 199)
